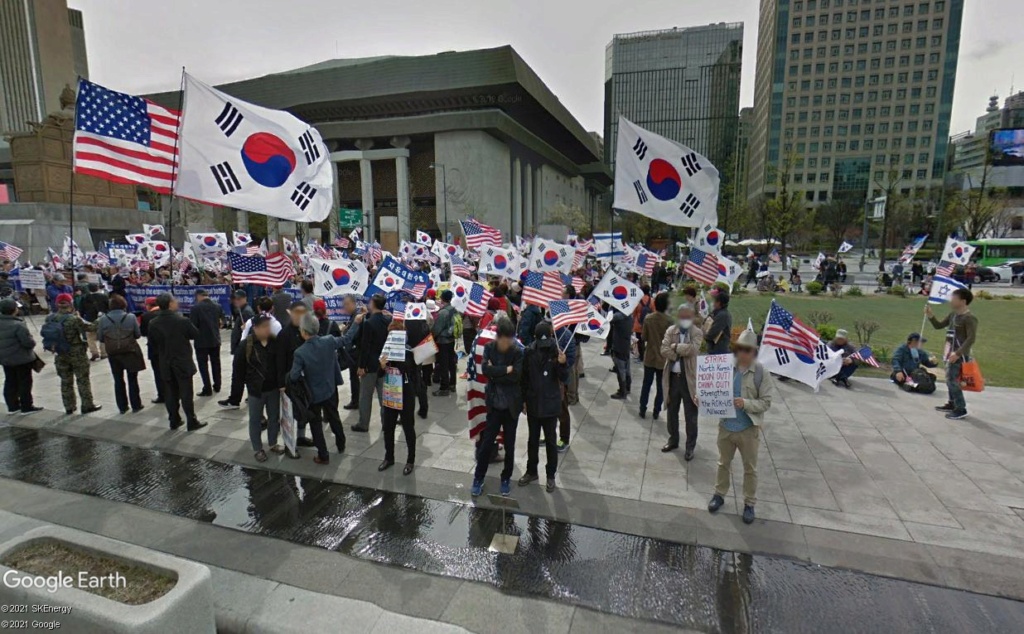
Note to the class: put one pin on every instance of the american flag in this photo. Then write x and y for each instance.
(568, 312)
(864, 354)
(774, 256)
(374, 253)
(125, 139)
(540, 289)
(9, 251)
(273, 270)
(459, 266)
(478, 298)
(645, 263)
(786, 331)
(476, 393)
(398, 311)
(480, 235)
(945, 269)
(702, 266)
(341, 241)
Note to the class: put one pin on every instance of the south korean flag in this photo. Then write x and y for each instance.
(618, 292)
(338, 277)
(662, 179)
(548, 255)
(236, 154)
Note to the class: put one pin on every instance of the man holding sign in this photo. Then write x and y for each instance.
(753, 390)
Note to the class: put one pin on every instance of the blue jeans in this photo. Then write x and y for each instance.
(651, 375)
(846, 371)
(956, 394)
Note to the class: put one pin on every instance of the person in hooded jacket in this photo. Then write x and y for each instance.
(415, 332)
(259, 359)
(545, 370)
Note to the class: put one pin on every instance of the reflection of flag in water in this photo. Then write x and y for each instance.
(864, 354)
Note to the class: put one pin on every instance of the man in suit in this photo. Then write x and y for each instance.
(172, 335)
(206, 316)
(373, 331)
(152, 310)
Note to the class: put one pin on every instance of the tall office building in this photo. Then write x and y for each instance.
(853, 93)
(681, 83)
(42, 49)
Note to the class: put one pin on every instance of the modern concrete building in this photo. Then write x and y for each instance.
(853, 93)
(969, 150)
(741, 161)
(423, 142)
(42, 50)
(681, 83)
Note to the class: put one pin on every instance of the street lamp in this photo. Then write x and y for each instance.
(444, 186)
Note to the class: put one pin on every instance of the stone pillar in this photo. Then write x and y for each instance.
(528, 199)
(334, 229)
(366, 182)
(274, 234)
(538, 196)
(517, 198)
(402, 188)
(242, 220)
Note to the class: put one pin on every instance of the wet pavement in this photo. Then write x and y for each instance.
(692, 586)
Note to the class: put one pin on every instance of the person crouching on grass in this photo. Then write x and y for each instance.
(753, 391)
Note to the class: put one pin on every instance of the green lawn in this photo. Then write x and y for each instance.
(1000, 321)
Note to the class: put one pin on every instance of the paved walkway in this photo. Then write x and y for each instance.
(870, 461)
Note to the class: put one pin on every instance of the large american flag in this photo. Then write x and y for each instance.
(125, 139)
(9, 251)
(480, 235)
(864, 354)
(568, 312)
(540, 289)
(786, 331)
(478, 299)
(702, 266)
(476, 392)
(273, 270)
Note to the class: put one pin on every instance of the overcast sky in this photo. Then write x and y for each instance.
(139, 46)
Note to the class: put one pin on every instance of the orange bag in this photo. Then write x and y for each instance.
(970, 377)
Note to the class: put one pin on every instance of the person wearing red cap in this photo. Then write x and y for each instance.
(72, 360)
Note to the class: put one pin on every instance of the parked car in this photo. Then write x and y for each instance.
(978, 275)
(1003, 272)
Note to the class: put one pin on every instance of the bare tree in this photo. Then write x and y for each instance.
(786, 213)
(837, 217)
(977, 210)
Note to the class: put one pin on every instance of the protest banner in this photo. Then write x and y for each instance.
(186, 296)
(715, 386)
(31, 278)
(335, 306)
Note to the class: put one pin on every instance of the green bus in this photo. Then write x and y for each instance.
(996, 251)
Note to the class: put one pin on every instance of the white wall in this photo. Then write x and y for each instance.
(557, 187)
(478, 170)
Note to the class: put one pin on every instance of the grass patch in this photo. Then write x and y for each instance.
(1001, 363)
(48, 558)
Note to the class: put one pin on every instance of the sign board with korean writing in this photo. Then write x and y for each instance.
(715, 386)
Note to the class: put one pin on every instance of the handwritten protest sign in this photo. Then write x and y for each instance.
(714, 385)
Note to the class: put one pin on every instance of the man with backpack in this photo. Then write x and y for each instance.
(64, 334)
(908, 366)
(119, 330)
(753, 391)
(445, 333)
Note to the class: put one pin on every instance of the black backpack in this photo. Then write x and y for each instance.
(925, 381)
(119, 339)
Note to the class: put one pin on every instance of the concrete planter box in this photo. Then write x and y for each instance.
(187, 608)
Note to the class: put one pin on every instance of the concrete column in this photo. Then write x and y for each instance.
(402, 189)
(528, 199)
(274, 234)
(538, 196)
(366, 188)
(242, 220)
(517, 198)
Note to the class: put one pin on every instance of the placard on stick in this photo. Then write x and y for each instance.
(714, 385)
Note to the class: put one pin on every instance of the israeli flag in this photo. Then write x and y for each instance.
(942, 289)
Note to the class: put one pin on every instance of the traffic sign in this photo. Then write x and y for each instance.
(350, 217)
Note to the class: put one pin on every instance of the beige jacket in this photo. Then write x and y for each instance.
(673, 350)
(757, 401)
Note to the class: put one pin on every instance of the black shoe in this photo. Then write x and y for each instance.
(422, 413)
(407, 469)
(69, 412)
(122, 411)
(205, 392)
(227, 404)
(196, 425)
(654, 416)
(340, 446)
(176, 424)
(216, 389)
(716, 503)
(441, 393)
(303, 441)
(948, 407)
(549, 486)
(90, 410)
(25, 411)
(669, 447)
(527, 479)
(957, 414)
(748, 514)
(385, 465)
(643, 413)
(136, 410)
(582, 376)
(359, 429)
(618, 396)
(846, 383)
(158, 401)
(351, 406)
(611, 369)
(688, 455)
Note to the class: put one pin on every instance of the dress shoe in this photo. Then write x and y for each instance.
(205, 392)
(351, 406)
(582, 376)
(176, 424)
(407, 469)
(303, 441)
(69, 412)
(341, 447)
(319, 460)
(748, 514)
(422, 414)
(136, 410)
(527, 479)
(385, 465)
(688, 455)
(158, 401)
(25, 411)
(716, 503)
(122, 411)
(196, 425)
(654, 416)
(90, 410)
(618, 396)
(643, 413)
(669, 447)
(359, 429)
(550, 485)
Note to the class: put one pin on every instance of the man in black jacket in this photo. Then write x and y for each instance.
(718, 329)
(241, 312)
(503, 367)
(152, 310)
(172, 335)
(621, 338)
(94, 304)
(206, 316)
(545, 370)
(373, 332)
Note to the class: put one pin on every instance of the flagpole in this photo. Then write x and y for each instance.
(71, 217)
(174, 183)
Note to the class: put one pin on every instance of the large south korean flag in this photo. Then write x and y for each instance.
(236, 154)
(662, 179)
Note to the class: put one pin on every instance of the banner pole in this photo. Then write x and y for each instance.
(174, 183)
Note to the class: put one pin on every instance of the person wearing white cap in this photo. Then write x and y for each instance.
(753, 390)
(841, 343)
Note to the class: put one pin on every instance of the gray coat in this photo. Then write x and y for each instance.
(17, 347)
(316, 360)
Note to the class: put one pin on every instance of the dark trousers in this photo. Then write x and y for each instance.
(468, 337)
(846, 371)
(563, 417)
(679, 394)
(211, 355)
(498, 420)
(353, 383)
(622, 372)
(651, 375)
(158, 378)
(124, 397)
(317, 413)
(18, 387)
(446, 360)
(390, 419)
(179, 392)
(533, 445)
(639, 345)
(421, 395)
(427, 374)
(237, 381)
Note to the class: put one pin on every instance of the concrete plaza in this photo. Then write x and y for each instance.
(869, 479)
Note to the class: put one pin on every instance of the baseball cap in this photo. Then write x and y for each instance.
(916, 336)
(842, 334)
(65, 298)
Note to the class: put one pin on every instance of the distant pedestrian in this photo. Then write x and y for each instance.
(316, 363)
(93, 305)
(620, 338)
